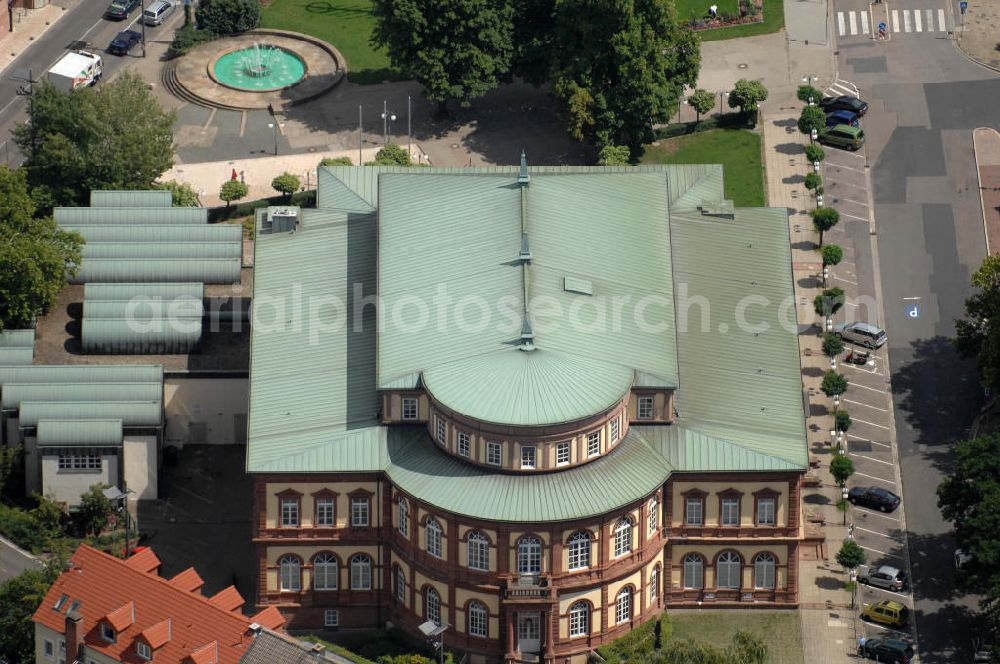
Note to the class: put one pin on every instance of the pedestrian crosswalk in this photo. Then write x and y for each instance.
(902, 20)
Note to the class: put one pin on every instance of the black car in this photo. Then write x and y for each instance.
(123, 42)
(893, 651)
(845, 103)
(120, 9)
(874, 497)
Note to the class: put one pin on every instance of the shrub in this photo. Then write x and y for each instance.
(833, 345)
(807, 91)
(832, 254)
(225, 17)
(851, 554)
(842, 421)
(614, 155)
(815, 152)
(812, 117)
(392, 155)
(21, 528)
(233, 190)
(833, 384)
(286, 183)
(337, 161)
(95, 509)
(813, 181)
(187, 38)
(181, 193)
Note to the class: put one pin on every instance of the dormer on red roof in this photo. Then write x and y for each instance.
(144, 612)
(270, 618)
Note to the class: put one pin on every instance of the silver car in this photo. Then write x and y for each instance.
(885, 577)
(863, 334)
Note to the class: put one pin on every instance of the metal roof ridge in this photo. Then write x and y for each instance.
(728, 442)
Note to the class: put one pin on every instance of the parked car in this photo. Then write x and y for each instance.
(961, 557)
(844, 103)
(842, 136)
(891, 651)
(874, 497)
(848, 118)
(865, 334)
(887, 612)
(885, 576)
(120, 9)
(157, 13)
(123, 42)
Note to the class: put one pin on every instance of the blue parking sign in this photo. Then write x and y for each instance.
(913, 311)
(963, 5)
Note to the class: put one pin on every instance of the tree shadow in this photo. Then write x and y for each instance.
(810, 282)
(813, 371)
(794, 179)
(829, 583)
(787, 122)
(816, 499)
(804, 244)
(789, 148)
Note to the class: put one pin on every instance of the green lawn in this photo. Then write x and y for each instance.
(780, 630)
(774, 18)
(347, 24)
(738, 150)
(689, 9)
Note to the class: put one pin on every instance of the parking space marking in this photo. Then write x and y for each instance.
(865, 387)
(850, 200)
(858, 403)
(916, 20)
(888, 629)
(880, 426)
(866, 511)
(941, 24)
(873, 372)
(841, 28)
(865, 440)
(864, 23)
(876, 478)
(854, 216)
(853, 23)
(879, 551)
(875, 532)
(907, 25)
(841, 279)
(861, 456)
(891, 592)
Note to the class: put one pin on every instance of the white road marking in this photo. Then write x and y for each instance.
(895, 20)
(858, 403)
(879, 551)
(866, 511)
(854, 216)
(842, 279)
(941, 22)
(864, 23)
(875, 532)
(891, 592)
(878, 479)
(841, 27)
(862, 456)
(916, 20)
(929, 20)
(854, 23)
(886, 628)
(880, 426)
(849, 168)
(907, 21)
(865, 387)
(849, 200)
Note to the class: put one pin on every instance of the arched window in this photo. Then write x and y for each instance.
(402, 517)
(579, 619)
(654, 515)
(290, 567)
(361, 572)
(763, 571)
(694, 571)
(325, 571)
(479, 551)
(623, 537)
(728, 570)
(623, 605)
(529, 555)
(478, 619)
(654, 585)
(432, 533)
(579, 550)
(432, 605)
(400, 577)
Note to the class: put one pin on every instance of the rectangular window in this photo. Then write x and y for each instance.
(562, 453)
(331, 618)
(765, 512)
(528, 457)
(463, 444)
(645, 410)
(359, 512)
(694, 512)
(730, 512)
(593, 443)
(107, 632)
(493, 454)
(409, 408)
(439, 425)
(324, 511)
(143, 650)
(289, 512)
(71, 462)
(615, 430)
(50, 649)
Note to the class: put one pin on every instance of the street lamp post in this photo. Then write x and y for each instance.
(275, 125)
(387, 118)
(722, 95)
(435, 634)
(843, 496)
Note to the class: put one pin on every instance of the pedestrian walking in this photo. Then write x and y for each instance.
(243, 177)
(233, 177)
(713, 10)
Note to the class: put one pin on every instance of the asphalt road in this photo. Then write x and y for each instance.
(926, 98)
(84, 27)
(13, 561)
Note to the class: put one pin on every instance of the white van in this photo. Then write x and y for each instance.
(157, 12)
(863, 334)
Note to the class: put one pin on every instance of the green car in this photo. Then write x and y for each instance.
(842, 136)
(892, 651)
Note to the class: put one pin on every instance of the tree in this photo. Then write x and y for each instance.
(456, 49)
(233, 190)
(806, 92)
(832, 254)
(833, 384)
(226, 17)
(824, 219)
(815, 152)
(842, 421)
(747, 94)
(95, 509)
(970, 499)
(812, 117)
(114, 136)
(35, 254)
(614, 155)
(829, 302)
(8, 457)
(619, 67)
(813, 181)
(49, 514)
(978, 334)
(850, 555)
(833, 345)
(747, 648)
(336, 161)
(392, 155)
(534, 31)
(286, 183)
(181, 193)
(20, 596)
(702, 101)
(841, 467)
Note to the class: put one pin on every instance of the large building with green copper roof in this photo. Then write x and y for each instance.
(537, 405)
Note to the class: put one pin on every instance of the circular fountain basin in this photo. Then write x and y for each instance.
(259, 68)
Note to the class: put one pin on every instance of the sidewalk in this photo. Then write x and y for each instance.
(29, 24)
(986, 143)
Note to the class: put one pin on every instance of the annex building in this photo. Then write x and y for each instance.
(537, 405)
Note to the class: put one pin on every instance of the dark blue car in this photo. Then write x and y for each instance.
(842, 118)
(875, 498)
(123, 42)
